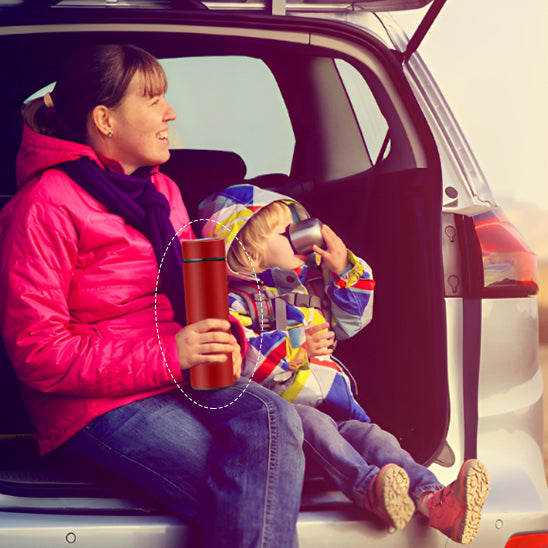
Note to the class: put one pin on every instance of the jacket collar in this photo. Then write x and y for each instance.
(39, 152)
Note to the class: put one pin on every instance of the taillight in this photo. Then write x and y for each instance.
(509, 266)
(533, 540)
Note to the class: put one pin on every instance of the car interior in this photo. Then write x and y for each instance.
(382, 200)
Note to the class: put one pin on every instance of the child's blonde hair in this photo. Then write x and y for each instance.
(247, 252)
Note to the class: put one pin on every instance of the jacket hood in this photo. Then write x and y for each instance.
(40, 152)
(225, 213)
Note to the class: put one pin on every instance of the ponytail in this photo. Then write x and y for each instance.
(41, 119)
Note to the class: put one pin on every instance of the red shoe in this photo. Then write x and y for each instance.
(456, 510)
(388, 496)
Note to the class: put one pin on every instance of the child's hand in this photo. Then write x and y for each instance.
(319, 340)
(335, 257)
(237, 361)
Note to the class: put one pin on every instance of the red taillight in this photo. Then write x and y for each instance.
(533, 540)
(509, 264)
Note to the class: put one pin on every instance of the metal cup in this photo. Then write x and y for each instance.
(304, 234)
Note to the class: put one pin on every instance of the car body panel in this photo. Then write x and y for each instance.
(46, 530)
(511, 406)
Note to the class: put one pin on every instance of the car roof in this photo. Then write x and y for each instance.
(15, 12)
(26, 10)
(322, 5)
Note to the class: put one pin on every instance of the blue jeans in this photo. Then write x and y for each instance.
(352, 452)
(236, 471)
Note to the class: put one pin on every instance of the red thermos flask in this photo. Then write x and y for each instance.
(206, 296)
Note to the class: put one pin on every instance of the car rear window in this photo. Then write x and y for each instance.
(230, 103)
(233, 103)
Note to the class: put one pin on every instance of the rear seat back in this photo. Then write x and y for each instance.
(199, 173)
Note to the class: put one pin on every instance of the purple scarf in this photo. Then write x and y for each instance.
(136, 200)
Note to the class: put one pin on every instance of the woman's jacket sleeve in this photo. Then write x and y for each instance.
(51, 352)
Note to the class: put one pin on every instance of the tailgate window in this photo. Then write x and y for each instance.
(373, 125)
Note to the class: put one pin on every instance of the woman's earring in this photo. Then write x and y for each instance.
(109, 134)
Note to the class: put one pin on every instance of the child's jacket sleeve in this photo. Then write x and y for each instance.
(351, 296)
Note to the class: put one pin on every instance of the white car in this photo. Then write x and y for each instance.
(330, 103)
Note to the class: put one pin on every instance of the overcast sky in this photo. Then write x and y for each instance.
(490, 59)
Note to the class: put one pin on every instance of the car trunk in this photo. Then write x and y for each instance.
(388, 212)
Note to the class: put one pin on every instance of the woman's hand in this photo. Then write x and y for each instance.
(208, 341)
(335, 257)
(319, 340)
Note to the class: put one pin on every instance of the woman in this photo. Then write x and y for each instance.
(95, 329)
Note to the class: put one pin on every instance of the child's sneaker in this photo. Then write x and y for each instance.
(388, 496)
(456, 510)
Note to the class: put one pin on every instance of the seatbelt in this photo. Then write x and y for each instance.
(268, 310)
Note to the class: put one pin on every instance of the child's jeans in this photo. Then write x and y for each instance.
(352, 453)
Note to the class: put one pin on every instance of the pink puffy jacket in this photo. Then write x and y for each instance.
(78, 311)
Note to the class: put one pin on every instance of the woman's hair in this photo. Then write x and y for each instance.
(246, 254)
(98, 75)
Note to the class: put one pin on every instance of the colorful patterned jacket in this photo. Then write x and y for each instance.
(276, 355)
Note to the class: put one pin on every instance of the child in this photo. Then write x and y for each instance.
(295, 307)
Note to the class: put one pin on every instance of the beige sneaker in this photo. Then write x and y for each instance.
(456, 510)
(388, 496)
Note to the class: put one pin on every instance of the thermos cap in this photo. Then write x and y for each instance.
(203, 249)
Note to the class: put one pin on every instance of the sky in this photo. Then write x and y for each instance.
(490, 60)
